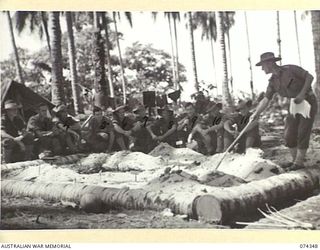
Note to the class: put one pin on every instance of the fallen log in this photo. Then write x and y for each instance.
(219, 205)
(111, 198)
(224, 206)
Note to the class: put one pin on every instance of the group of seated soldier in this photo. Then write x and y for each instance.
(208, 131)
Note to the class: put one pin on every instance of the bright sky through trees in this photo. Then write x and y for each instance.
(262, 32)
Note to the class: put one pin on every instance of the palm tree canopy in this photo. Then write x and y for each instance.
(207, 22)
(127, 14)
(228, 19)
(30, 19)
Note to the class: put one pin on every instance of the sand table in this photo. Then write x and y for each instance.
(136, 169)
(94, 160)
(180, 156)
(124, 161)
(250, 166)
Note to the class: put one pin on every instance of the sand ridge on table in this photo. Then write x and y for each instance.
(136, 169)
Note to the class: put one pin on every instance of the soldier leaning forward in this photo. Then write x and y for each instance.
(47, 135)
(293, 82)
(16, 142)
(69, 130)
(101, 132)
(188, 123)
(142, 140)
(164, 129)
(212, 129)
(236, 122)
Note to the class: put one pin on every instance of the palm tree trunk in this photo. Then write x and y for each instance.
(249, 56)
(297, 35)
(177, 53)
(174, 76)
(15, 50)
(78, 108)
(106, 28)
(193, 55)
(57, 85)
(100, 84)
(214, 65)
(315, 21)
(278, 35)
(120, 60)
(45, 27)
(221, 38)
(230, 61)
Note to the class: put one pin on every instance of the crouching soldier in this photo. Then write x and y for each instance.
(101, 132)
(142, 140)
(164, 129)
(235, 123)
(187, 124)
(212, 131)
(69, 130)
(122, 125)
(16, 142)
(42, 126)
(194, 127)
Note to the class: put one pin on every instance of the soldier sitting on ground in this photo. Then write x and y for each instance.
(164, 129)
(42, 126)
(122, 125)
(69, 130)
(251, 137)
(188, 122)
(101, 132)
(142, 140)
(16, 142)
(211, 129)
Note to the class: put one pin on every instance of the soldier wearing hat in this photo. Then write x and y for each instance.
(101, 132)
(16, 142)
(235, 123)
(163, 129)
(69, 129)
(293, 82)
(42, 126)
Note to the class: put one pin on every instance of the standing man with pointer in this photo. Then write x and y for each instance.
(293, 82)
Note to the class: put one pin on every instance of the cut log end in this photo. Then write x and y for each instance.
(91, 203)
(208, 209)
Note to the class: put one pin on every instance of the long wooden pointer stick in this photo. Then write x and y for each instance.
(233, 143)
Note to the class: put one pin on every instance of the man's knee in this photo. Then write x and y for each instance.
(28, 138)
(7, 143)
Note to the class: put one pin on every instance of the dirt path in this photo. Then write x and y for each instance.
(26, 213)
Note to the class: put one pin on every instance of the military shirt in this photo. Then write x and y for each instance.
(105, 125)
(37, 124)
(12, 127)
(288, 83)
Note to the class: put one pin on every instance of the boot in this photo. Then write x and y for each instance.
(300, 158)
(293, 152)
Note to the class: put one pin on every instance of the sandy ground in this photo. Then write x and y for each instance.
(136, 170)
(303, 215)
(27, 213)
